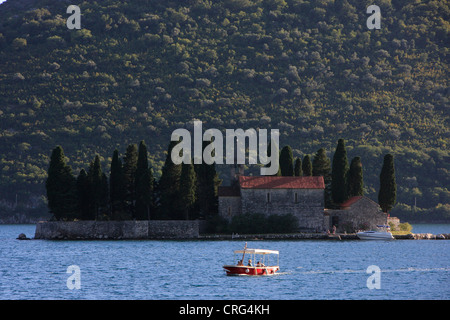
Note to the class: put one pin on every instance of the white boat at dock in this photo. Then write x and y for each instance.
(382, 233)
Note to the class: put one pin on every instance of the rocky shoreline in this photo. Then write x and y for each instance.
(319, 236)
(255, 237)
(176, 230)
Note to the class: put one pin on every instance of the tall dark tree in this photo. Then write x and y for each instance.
(339, 173)
(286, 162)
(116, 187)
(144, 185)
(321, 167)
(355, 182)
(129, 174)
(207, 189)
(84, 196)
(97, 188)
(61, 187)
(168, 186)
(104, 209)
(307, 166)
(321, 164)
(187, 192)
(298, 172)
(388, 187)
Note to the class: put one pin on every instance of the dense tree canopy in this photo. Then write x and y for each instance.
(140, 69)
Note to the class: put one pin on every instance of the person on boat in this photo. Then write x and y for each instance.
(250, 263)
(240, 263)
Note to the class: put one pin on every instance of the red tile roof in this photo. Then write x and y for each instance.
(276, 182)
(350, 201)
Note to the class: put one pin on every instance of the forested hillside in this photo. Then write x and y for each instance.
(137, 70)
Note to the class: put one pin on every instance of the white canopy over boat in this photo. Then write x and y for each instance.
(257, 251)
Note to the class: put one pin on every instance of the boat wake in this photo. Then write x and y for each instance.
(282, 273)
(410, 269)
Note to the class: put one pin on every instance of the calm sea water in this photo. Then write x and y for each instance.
(192, 270)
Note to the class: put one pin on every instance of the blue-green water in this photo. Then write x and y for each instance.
(410, 269)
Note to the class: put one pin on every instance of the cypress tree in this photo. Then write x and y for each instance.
(187, 189)
(307, 166)
(116, 186)
(104, 197)
(355, 180)
(286, 161)
(388, 186)
(207, 187)
(129, 174)
(61, 187)
(169, 184)
(321, 164)
(298, 172)
(339, 173)
(144, 185)
(83, 195)
(321, 167)
(95, 178)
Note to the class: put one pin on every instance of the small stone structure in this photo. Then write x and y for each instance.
(357, 213)
(116, 230)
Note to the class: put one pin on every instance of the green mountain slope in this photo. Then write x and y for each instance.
(140, 69)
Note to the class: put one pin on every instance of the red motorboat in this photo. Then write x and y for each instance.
(258, 264)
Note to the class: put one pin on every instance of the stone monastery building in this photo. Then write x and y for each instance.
(301, 196)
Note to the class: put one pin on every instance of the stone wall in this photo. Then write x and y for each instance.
(116, 230)
(173, 229)
(306, 204)
(229, 206)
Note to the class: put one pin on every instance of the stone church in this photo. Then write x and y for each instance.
(301, 196)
